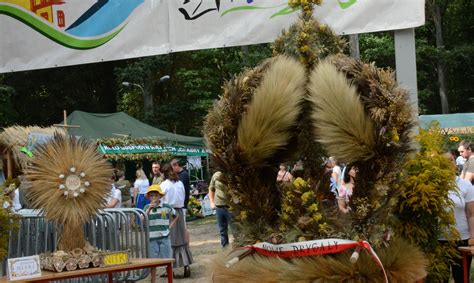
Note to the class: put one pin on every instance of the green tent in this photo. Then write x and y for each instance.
(119, 133)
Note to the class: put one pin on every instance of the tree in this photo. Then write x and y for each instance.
(41, 95)
(196, 80)
(437, 9)
(8, 114)
(144, 73)
(445, 56)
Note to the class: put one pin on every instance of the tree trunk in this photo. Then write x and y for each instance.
(441, 66)
(245, 52)
(148, 103)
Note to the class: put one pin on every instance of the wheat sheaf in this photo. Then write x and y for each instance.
(70, 181)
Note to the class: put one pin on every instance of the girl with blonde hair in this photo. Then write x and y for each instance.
(140, 188)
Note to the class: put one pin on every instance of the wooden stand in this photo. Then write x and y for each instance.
(137, 263)
(466, 251)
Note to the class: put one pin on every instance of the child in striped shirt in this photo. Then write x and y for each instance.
(159, 223)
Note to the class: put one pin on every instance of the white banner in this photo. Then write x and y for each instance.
(52, 33)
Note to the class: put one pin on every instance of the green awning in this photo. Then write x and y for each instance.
(143, 149)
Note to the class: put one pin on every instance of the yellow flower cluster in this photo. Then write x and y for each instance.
(395, 136)
(302, 3)
(299, 183)
(307, 197)
(300, 207)
(454, 139)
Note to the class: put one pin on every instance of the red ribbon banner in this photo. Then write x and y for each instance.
(316, 247)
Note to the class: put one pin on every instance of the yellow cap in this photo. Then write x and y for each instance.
(155, 188)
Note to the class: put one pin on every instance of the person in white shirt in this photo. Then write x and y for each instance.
(115, 198)
(463, 199)
(336, 175)
(174, 192)
(465, 150)
(14, 198)
(140, 188)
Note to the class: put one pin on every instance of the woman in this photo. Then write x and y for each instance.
(12, 200)
(173, 189)
(139, 190)
(347, 188)
(283, 174)
(463, 200)
(336, 173)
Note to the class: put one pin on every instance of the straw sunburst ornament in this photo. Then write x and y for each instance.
(70, 182)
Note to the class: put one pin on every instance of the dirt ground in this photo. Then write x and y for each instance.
(205, 244)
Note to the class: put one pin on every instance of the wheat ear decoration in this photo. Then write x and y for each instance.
(326, 268)
(274, 108)
(57, 163)
(339, 118)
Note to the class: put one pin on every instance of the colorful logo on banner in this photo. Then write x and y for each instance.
(193, 9)
(98, 24)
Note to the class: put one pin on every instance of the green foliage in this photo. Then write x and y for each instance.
(196, 80)
(457, 54)
(8, 114)
(8, 222)
(379, 48)
(40, 96)
(423, 206)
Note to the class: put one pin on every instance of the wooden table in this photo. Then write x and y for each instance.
(466, 251)
(136, 263)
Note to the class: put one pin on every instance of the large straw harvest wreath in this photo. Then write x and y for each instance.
(310, 100)
(69, 183)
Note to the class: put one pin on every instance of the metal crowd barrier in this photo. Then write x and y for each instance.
(115, 229)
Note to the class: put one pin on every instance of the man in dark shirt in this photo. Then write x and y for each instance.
(183, 175)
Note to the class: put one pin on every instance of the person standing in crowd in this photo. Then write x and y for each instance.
(347, 188)
(159, 215)
(463, 199)
(173, 189)
(460, 163)
(183, 177)
(283, 174)
(124, 187)
(336, 175)
(140, 187)
(13, 198)
(114, 199)
(156, 176)
(465, 150)
(218, 199)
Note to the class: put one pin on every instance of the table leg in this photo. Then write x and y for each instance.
(169, 272)
(110, 276)
(464, 266)
(153, 274)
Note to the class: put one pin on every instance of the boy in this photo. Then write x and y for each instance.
(159, 217)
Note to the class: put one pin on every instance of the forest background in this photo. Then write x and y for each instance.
(445, 74)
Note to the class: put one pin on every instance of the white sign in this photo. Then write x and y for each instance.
(23, 268)
(59, 33)
(206, 209)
